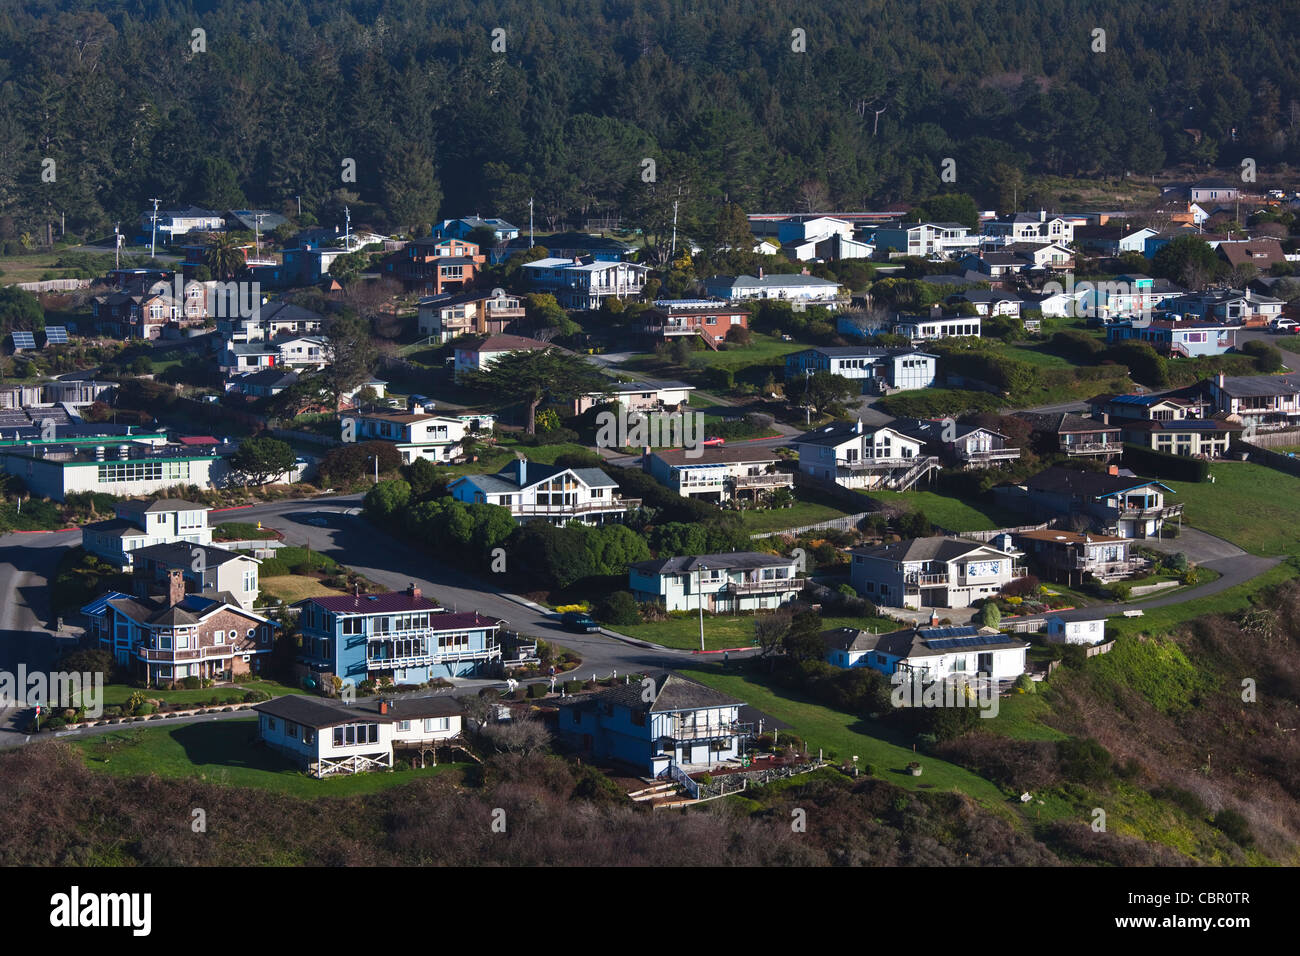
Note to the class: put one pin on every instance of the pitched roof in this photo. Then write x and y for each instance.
(154, 505)
(717, 455)
(1087, 484)
(319, 712)
(937, 548)
(1061, 423)
(671, 693)
(1240, 386)
(182, 554)
(504, 343)
(732, 561)
(391, 602)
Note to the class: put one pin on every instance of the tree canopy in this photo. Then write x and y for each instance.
(537, 376)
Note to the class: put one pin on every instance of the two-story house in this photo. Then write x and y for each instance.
(718, 474)
(558, 495)
(401, 635)
(805, 289)
(136, 524)
(937, 326)
(469, 313)
(709, 319)
(477, 355)
(1030, 227)
(849, 454)
(213, 572)
(966, 446)
(1066, 433)
(645, 395)
(1265, 401)
(898, 368)
(1175, 338)
(738, 581)
(931, 572)
(177, 635)
(416, 435)
(930, 654)
(673, 723)
(434, 266)
(1069, 556)
(324, 737)
(1115, 504)
(926, 239)
(584, 282)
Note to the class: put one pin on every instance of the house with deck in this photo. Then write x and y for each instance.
(1114, 504)
(671, 725)
(1070, 556)
(1265, 401)
(584, 282)
(212, 572)
(1174, 337)
(558, 495)
(718, 474)
(963, 446)
(720, 583)
(325, 736)
(401, 635)
(711, 320)
(931, 572)
(1066, 433)
(481, 312)
(174, 634)
(417, 435)
(857, 456)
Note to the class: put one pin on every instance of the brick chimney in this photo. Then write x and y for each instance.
(412, 591)
(1112, 469)
(934, 617)
(175, 587)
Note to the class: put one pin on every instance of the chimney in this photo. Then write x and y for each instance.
(1042, 215)
(1112, 469)
(522, 471)
(858, 427)
(413, 591)
(1221, 380)
(383, 706)
(934, 617)
(760, 272)
(175, 587)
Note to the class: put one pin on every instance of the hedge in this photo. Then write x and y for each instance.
(1161, 464)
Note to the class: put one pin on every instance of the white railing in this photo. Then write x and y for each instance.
(679, 775)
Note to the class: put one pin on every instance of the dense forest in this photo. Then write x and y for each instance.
(267, 102)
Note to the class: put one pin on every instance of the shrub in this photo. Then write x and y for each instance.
(572, 686)
(145, 709)
(1233, 825)
(1085, 761)
(191, 683)
(1119, 591)
(619, 608)
(537, 690)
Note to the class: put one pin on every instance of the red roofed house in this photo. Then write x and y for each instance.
(478, 354)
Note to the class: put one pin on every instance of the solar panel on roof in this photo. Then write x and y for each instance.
(56, 335)
(24, 340)
(951, 642)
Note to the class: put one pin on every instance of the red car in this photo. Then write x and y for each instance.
(715, 441)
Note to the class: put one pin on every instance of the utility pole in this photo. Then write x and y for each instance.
(530, 222)
(702, 570)
(117, 247)
(153, 234)
(299, 198)
(347, 229)
(257, 234)
(673, 253)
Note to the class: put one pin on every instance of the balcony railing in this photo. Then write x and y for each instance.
(440, 657)
(775, 480)
(768, 585)
(1092, 447)
(926, 580)
(614, 504)
(192, 653)
(868, 464)
(691, 731)
(992, 454)
(1168, 511)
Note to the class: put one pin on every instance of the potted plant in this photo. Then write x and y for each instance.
(914, 769)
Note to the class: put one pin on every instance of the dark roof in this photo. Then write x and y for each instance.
(1261, 385)
(1086, 484)
(671, 693)
(151, 505)
(269, 378)
(504, 343)
(391, 602)
(116, 527)
(733, 561)
(716, 455)
(938, 548)
(929, 429)
(1058, 423)
(319, 712)
(920, 641)
(182, 554)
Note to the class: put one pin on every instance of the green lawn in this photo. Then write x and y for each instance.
(1035, 355)
(778, 519)
(225, 752)
(1163, 620)
(115, 695)
(848, 735)
(947, 512)
(1255, 507)
(722, 631)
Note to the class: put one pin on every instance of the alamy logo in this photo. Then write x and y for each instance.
(75, 909)
(1099, 298)
(911, 690)
(624, 429)
(221, 300)
(56, 689)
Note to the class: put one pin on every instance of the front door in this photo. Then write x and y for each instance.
(985, 665)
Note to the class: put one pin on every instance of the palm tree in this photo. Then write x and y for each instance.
(224, 256)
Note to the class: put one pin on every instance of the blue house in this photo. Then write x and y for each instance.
(403, 636)
(1176, 339)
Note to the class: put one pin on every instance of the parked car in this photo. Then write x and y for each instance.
(579, 622)
(1285, 327)
(714, 441)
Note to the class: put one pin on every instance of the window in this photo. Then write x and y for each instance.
(270, 723)
(219, 637)
(403, 726)
(234, 636)
(432, 724)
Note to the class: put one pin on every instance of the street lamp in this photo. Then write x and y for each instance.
(702, 570)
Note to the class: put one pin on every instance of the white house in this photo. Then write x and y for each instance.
(717, 474)
(928, 239)
(895, 368)
(138, 524)
(857, 457)
(174, 223)
(324, 737)
(932, 572)
(584, 282)
(641, 396)
(923, 329)
(1087, 631)
(1030, 227)
(462, 313)
(558, 495)
(929, 653)
(416, 435)
(796, 288)
(737, 581)
(214, 572)
(679, 725)
(479, 354)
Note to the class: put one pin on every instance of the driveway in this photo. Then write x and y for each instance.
(1199, 546)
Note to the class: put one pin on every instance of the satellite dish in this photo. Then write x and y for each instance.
(498, 293)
